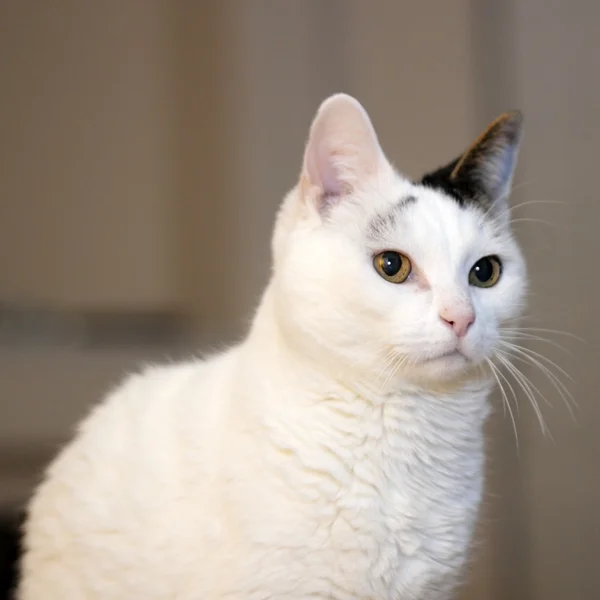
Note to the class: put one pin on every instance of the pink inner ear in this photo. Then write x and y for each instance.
(342, 149)
(329, 174)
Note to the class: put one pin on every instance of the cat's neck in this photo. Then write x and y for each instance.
(285, 391)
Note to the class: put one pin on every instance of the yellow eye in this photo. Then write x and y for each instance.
(486, 272)
(393, 266)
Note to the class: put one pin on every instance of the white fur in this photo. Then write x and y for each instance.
(298, 465)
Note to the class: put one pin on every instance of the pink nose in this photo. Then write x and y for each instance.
(459, 321)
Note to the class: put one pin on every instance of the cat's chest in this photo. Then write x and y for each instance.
(394, 492)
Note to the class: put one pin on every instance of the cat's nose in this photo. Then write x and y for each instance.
(460, 321)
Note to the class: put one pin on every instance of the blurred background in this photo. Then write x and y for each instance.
(146, 144)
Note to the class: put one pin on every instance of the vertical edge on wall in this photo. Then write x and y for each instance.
(202, 61)
(250, 77)
(505, 515)
(281, 65)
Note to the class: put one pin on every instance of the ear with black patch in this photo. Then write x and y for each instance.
(484, 173)
(342, 151)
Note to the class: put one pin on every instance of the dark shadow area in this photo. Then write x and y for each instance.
(9, 553)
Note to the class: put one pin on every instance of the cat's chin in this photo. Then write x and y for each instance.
(444, 367)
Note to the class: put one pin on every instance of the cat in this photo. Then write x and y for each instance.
(337, 451)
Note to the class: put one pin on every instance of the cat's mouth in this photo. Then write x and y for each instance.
(452, 354)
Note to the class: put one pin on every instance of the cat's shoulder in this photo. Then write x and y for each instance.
(149, 383)
(155, 387)
(139, 409)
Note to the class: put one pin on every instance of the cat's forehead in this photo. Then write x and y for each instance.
(421, 213)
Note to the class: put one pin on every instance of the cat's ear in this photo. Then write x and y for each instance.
(341, 152)
(484, 173)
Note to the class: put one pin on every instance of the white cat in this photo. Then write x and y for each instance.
(337, 452)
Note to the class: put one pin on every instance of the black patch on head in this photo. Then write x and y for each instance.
(383, 223)
(462, 191)
(481, 176)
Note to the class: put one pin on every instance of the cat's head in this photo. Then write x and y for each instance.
(374, 272)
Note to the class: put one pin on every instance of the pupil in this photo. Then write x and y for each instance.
(391, 263)
(484, 270)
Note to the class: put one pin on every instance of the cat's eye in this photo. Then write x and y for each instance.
(393, 266)
(486, 272)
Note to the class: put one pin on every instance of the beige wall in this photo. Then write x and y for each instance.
(86, 161)
(558, 50)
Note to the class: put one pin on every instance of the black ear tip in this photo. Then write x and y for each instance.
(511, 124)
(515, 117)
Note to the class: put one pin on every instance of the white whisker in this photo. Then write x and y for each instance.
(496, 372)
(531, 220)
(521, 355)
(530, 353)
(521, 335)
(528, 388)
(530, 202)
(543, 330)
